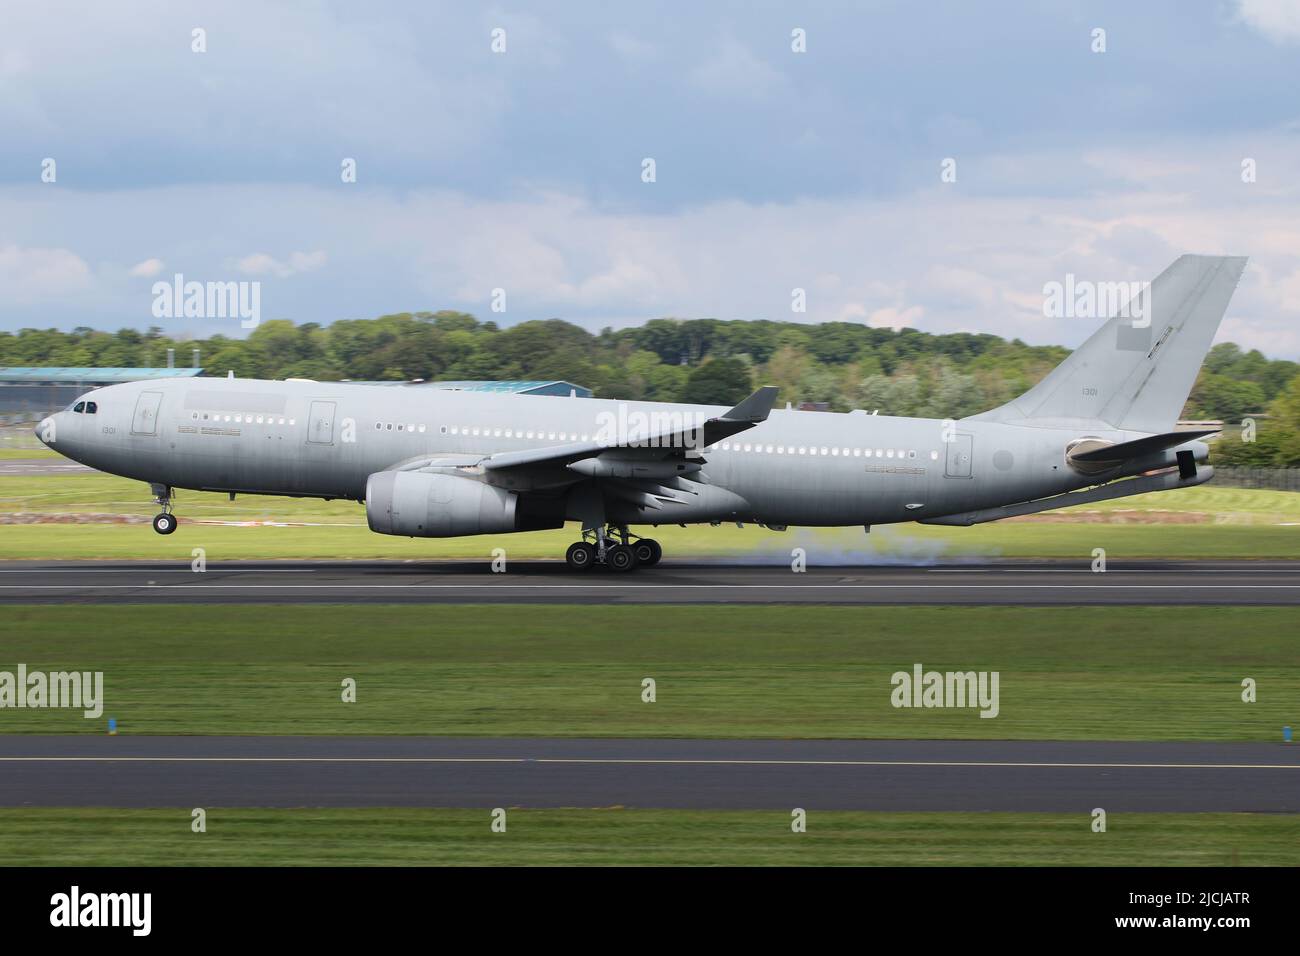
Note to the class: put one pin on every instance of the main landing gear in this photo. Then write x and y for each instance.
(601, 547)
(165, 522)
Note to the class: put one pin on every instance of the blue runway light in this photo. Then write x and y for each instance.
(112, 726)
(1286, 734)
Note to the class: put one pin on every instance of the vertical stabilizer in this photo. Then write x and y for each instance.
(1135, 373)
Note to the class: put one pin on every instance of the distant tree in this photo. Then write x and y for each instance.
(1284, 419)
(820, 384)
(1226, 398)
(953, 394)
(719, 382)
(889, 396)
(786, 369)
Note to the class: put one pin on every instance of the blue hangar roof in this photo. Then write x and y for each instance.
(72, 375)
(520, 387)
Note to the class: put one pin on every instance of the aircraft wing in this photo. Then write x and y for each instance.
(646, 470)
(752, 411)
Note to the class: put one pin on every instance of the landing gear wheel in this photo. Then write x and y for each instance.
(647, 552)
(580, 556)
(164, 523)
(620, 557)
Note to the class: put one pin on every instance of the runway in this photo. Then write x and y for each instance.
(1017, 582)
(39, 467)
(700, 774)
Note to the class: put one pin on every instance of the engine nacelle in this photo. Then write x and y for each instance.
(422, 505)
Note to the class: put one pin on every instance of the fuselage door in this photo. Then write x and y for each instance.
(145, 421)
(958, 462)
(320, 424)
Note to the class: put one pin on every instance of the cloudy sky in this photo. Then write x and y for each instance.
(523, 170)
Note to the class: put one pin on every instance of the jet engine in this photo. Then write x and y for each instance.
(423, 505)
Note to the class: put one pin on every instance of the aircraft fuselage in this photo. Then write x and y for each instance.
(325, 439)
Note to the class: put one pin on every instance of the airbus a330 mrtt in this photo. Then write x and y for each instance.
(432, 463)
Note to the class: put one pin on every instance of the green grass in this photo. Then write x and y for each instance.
(1228, 523)
(10, 452)
(612, 837)
(1158, 673)
(907, 543)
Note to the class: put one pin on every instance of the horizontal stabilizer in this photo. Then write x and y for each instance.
(1128, 450)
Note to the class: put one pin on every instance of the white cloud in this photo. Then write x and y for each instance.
(734, 71)
(941, 260)
(261, 264)
(147, 269)
(1279, 20)
(631, 48)
(35, 274)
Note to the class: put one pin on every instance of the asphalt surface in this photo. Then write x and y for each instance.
(700, 774)
(32, 467)
(673, 582)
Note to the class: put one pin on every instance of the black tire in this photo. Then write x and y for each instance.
(580, 556)
(620, 557)
(164, 523)
(647, 552)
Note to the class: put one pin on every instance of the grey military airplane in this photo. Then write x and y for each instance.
(434, 463)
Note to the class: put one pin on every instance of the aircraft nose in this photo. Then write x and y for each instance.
(46, 431)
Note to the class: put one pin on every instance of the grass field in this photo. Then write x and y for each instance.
(1194, 522)
(1164, 673)
(614, 837)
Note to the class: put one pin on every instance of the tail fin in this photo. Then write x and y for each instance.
(1135, 373)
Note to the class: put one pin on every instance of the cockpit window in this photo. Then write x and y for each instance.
(91, 408)
(79, 407)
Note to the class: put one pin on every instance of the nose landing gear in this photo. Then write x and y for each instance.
(599, 547)
(165, 522)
